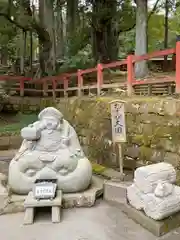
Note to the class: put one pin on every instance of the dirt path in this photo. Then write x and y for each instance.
(101, 222)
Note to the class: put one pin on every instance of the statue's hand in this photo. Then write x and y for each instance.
(40, 125)
(30, 133)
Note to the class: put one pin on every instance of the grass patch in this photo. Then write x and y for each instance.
(19, 121)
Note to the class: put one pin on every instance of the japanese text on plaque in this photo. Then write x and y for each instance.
(118, 122)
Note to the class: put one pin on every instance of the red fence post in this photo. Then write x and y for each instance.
(130, 75)
(178, 67)
(21, 87)
(45, 87)
(80, 82)
(99, 78)
(54, 88)
(65, 83)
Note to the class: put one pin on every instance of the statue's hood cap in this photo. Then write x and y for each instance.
(50, 112)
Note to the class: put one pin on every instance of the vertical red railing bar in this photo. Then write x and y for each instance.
(65, 83)
(54, 84)
(45, 86)
(130, 74)
(54, 87)
(178, 66)
(80, 82)
(99, 78)
(22, 87)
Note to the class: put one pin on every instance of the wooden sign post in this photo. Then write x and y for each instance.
(118, 129)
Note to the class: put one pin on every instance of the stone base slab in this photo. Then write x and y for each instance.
(158, 228)
(116, 191)
(84, 199)
(115, 194)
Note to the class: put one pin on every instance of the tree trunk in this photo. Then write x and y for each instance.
(141, 68)
(49, 22)
(4, 56)
(45, 44)
(31, 51)
(59, 32)
(34, 25)
(72, 16)
(104, 32)
(72, 20)
(112, 32)
(22, 51)
(165, 65)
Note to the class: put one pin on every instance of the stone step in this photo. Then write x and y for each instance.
(7, 154)
(158, 228)
(115, 192)
(5, 158)
(10, 142)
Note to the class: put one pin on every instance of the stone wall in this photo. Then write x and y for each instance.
(26, 104)
(153, 129)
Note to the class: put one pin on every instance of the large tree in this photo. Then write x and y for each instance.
(59, 29)
(104, 30)
(21, 14)
(141, 36)
(109, 19)
(72, 20)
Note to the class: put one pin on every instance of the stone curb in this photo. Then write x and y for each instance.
(110, 173)
(10, 142)
(7, 154)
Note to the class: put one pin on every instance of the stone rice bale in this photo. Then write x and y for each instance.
(146, 178)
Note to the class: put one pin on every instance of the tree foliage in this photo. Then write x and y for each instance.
(80, 32)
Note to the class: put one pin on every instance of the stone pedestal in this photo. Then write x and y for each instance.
(158, 228)
(115, 192)
(31, 203)
(86, 198)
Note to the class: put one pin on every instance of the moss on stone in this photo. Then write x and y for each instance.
(141, 139)
(145, 153)
(178, 177)
(97, 168)
(148, 120)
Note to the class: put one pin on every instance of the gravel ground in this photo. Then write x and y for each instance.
(101, 222)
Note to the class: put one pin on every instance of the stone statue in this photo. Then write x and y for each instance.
(154, 192)
(50, 150)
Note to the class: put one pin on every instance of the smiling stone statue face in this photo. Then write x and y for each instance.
(50, 150)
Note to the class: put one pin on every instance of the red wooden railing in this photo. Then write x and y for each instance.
(129, 83)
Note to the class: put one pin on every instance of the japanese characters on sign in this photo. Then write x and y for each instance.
(118, 121)
(44, 190)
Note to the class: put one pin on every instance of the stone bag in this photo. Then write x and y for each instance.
(146, 178)
(159, 208)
